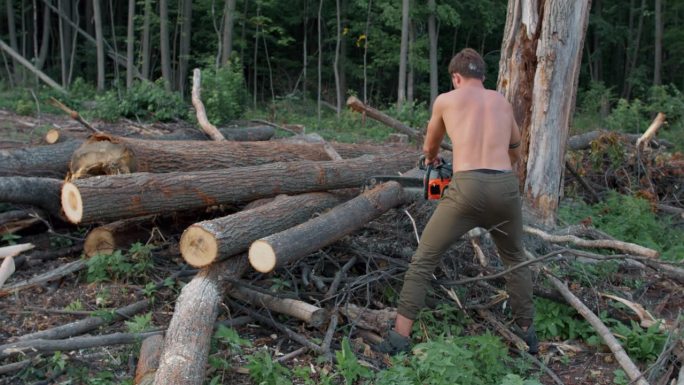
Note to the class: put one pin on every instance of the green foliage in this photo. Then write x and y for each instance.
(446, 320)
(630, 219)
(620, 377)
(144, 100)
(264, 371)
(135, 264)
(10, 239)
(348, 365)
(25, 107)
(223, 92)
(643, 345)
(75, 305)
(139, 323)
(558, 321)
(455, 360)
(230, 338)
(414, 114)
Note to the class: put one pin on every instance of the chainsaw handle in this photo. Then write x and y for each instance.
(436, 163)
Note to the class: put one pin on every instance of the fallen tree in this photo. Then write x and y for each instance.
(117, 235)
(51, 161)
(312, 315)
(206, 242)
(108, 198)
(278, 249)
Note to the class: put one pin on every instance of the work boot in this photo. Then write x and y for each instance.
(529, 336)
(393, 344)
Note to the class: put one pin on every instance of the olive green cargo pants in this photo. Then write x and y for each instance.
(474, 198)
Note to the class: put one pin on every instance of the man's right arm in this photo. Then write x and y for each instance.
(435, 132)
(514, 151)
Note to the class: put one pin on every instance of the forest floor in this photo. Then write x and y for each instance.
(73, 298)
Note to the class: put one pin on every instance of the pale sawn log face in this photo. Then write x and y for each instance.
(106, 198)
(207, 241)
(316, 233)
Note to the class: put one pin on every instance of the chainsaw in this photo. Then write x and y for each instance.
(432, 181)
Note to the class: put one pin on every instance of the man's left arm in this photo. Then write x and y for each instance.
(435, 132)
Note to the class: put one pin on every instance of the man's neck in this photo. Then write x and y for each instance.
(472, 83)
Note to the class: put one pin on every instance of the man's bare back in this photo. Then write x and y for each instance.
(480, 124)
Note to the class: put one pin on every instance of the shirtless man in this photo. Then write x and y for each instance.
(483, 192)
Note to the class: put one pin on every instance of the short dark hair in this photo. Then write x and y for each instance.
(468, 63)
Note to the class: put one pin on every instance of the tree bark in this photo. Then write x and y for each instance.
(237, 134)
(148, 361)
(120, 235)
(403, 53)
(124, 196)
(336, 65)
(556, 60)
(105, 154)
(164, 44)
(658, 57)
(130, 61)
(209, 241)
(40, 192)
(432, 37)
(286, 246)
(99, 46)
(227, 41)
(146, 40)
(184, 54)
(583, 141)
(12, 29)
(320, 61)
(42, 161)
(202, 119)
(312, 315)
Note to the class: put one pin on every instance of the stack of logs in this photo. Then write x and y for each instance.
(289, 198)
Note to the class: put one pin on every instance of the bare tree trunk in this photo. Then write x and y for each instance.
(165, 49)
(403, 53)
(12, 27)
(45, 41)
(64, 40)
(304, 48)
(256, 51)
(365, 54)
(97, 13)
(146, 40)
(130, 62)
(320, 60)
(227, 41)
(539, 69)
(21, 60)
(411, 73)
(432, 36)
(658, 59)
(184, 56)
(627, 88)
(336, 66)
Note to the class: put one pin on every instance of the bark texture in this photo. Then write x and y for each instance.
(281, 248)
(208, 241)
(40, 192)
(148, 361)
(45, 161)
(117, 235)
(107, 198)
(312, 315)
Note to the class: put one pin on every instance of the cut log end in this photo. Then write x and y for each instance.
(98, 241)
(52, 136)
(72, 204)
(262, 256)
(198, 246)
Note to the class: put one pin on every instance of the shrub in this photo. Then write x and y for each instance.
(223, 92)
(144, 100)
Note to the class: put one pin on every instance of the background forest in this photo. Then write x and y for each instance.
(261, 55)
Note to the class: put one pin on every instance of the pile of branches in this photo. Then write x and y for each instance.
(245, 214)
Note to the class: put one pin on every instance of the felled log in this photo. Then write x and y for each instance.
(205, 242)
(116, 235)
(650, 133)
(54, 136)
(6, 269)
(110, 155)
(369, 319)
(107, 198)
(39, 192)
(238, 134)
(186, 346)
(148, 361)
(312, 315)
(15, 220)
(13, 250)
(278, 249)
(50, 161)
(202, 119)
(57, 273)
(583, 141)
(73, 114)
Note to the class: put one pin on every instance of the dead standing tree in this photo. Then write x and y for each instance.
(538, 72)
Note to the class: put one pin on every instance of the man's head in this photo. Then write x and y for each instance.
(466, 65)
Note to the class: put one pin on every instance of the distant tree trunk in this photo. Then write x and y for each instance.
(320, 60)
(130, 62)
(411, 58)
(403, 53)
(627, 85)
(539, 69)
(64, 40)
(184, 57)
(365, 54)
(256, 51)
(146, 40)
(432, 37)
(99, 46)
(165, 48)
(658, 60)
(45, 41)
(304, 51)
(12, 27)
(341, 67)
(227, 41)
(336, 66)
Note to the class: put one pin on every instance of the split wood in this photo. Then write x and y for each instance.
(202, 119)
